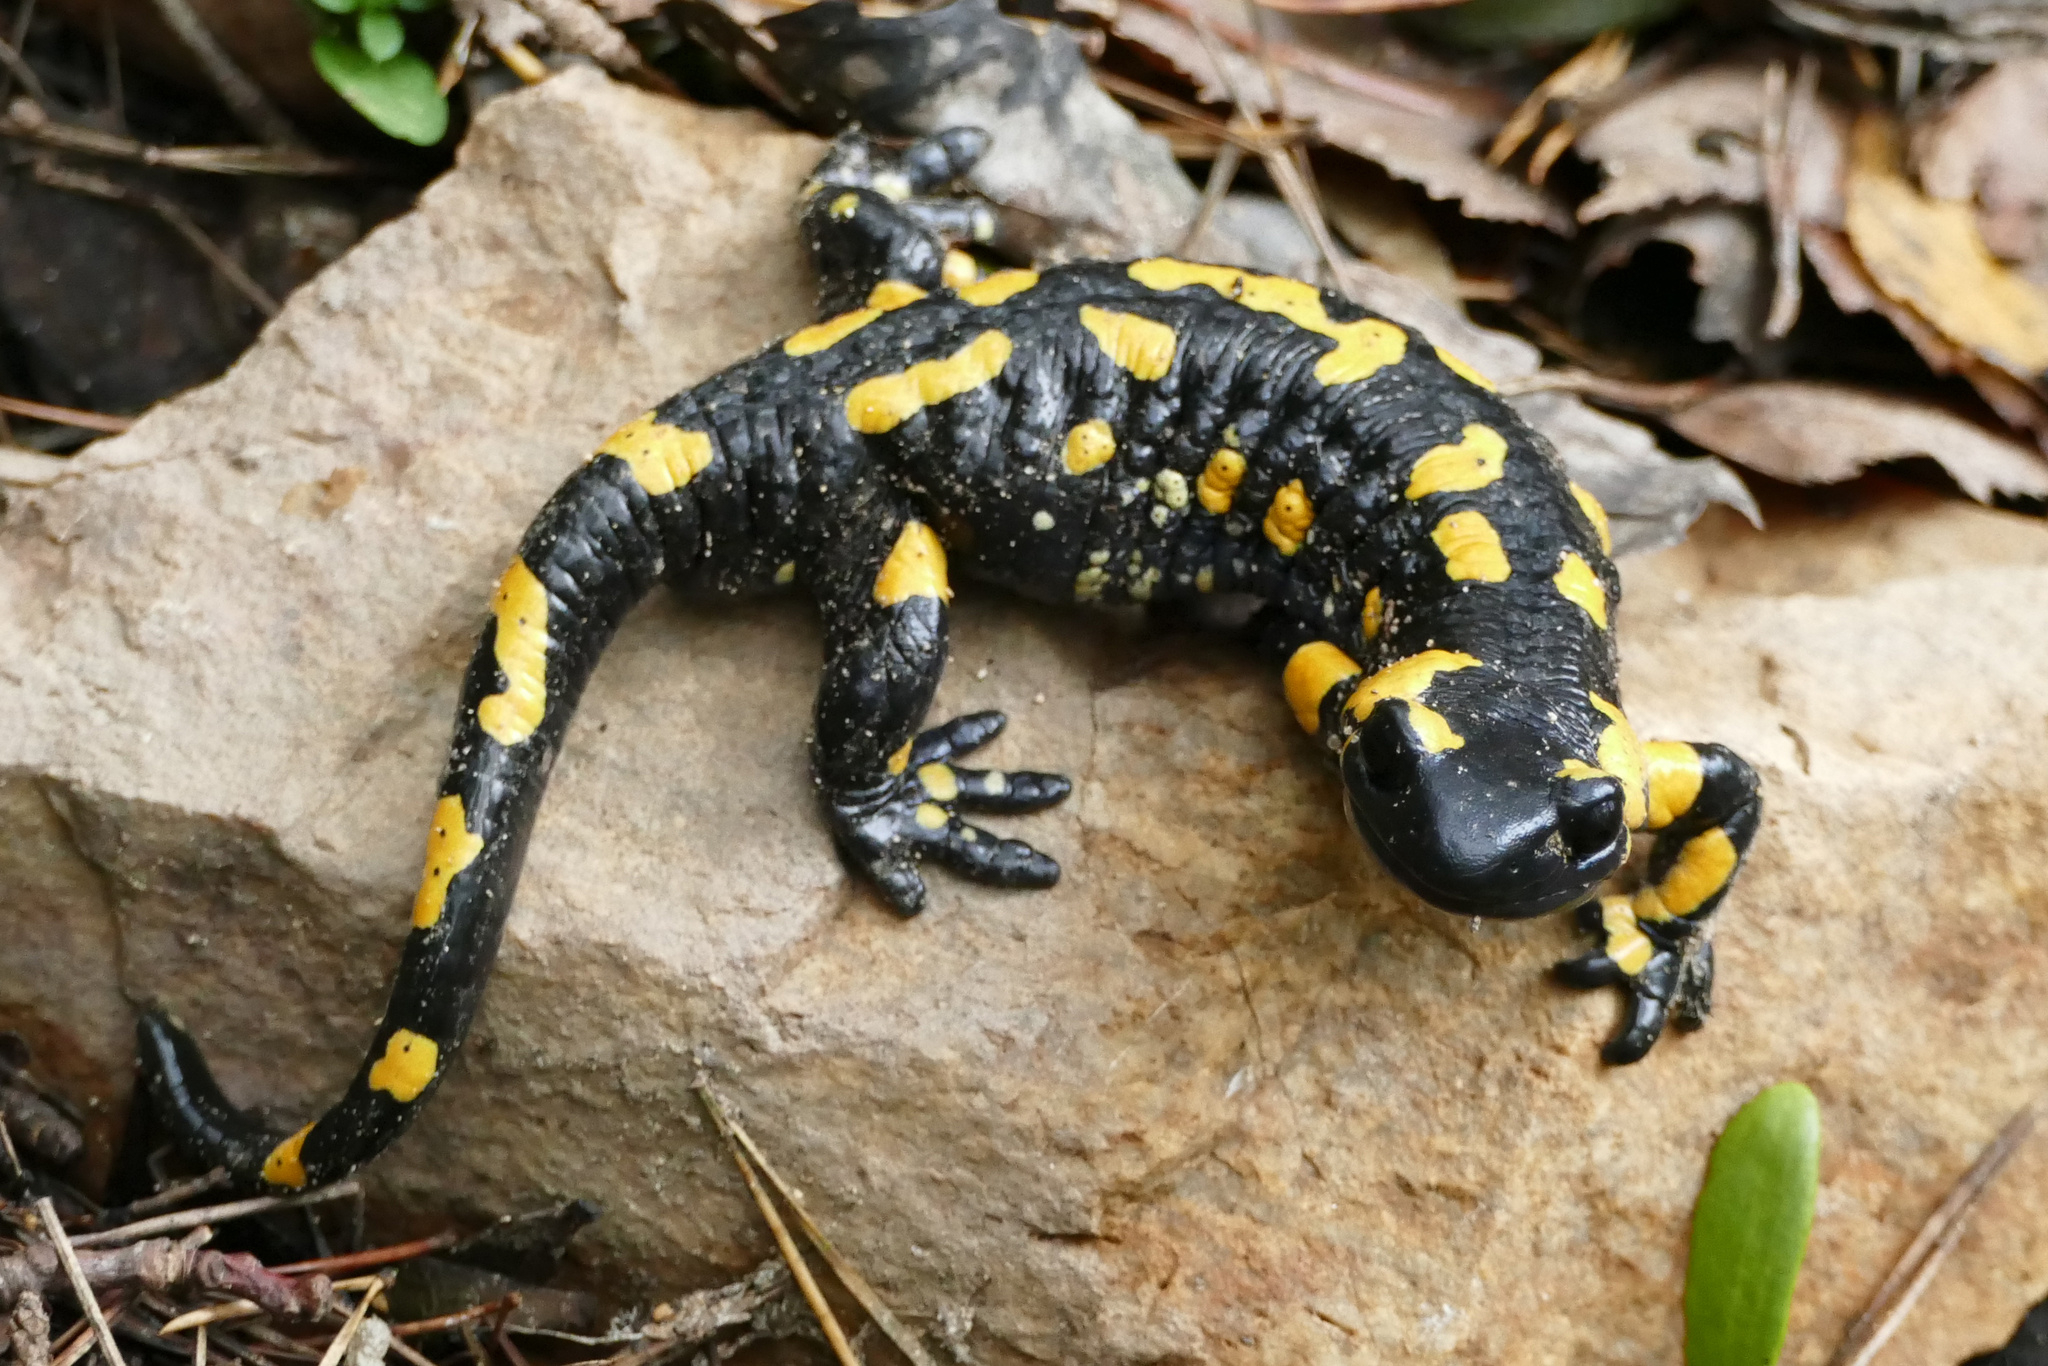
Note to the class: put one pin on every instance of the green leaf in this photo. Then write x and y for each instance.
(399, 96)
(380, 33)
(416, 6)
(337, 6)
(1532, 23)
(1749, 1230)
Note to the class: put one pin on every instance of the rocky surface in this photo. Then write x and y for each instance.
(1226, 1094)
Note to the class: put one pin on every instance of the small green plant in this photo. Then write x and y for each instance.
(363, 56)
(1749, 1230)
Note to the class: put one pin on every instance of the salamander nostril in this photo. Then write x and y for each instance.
(1590, 818)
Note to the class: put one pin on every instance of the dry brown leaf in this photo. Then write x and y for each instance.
(1970, 152)
(1700, 136)
(1928, 254)
(1953, 30)
(1441, 150)
(1813, 433)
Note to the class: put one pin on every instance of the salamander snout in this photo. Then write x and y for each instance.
(1488, 826)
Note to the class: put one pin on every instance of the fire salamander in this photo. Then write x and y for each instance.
(1438, 598)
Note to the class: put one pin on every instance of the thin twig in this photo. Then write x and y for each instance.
(412, 1354)
(69, 417)
(29, 122)
(1222, 171)
(53, 1229)
(1788, 117)
(244, 98)
(98, 187)
(848, 1276)
(14, 44)
(76, 1342)
(214, 1214)
(792, 1255)
(199, 1346)
(350, 1327)
(169, 1196)
(376, 1256)
(442, 1323)
(1916, 1266)
(230, 1310)
(456, 61)
(519, 59)
(1639, 395)
(19, 68)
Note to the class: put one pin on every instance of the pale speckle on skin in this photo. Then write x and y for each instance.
(787, 573)
(1042, 520)
(1098, 557)
(1172, 488)
(1161, 515)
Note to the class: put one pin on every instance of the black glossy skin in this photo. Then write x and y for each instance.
(792, 492)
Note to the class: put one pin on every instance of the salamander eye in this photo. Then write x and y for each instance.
(1589, 818)
(1386, 757)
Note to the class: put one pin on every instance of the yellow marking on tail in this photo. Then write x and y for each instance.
(407, 1066)
(1471, 462)
(1704, 865)
(1471, 547)
(450, 849)
(283, 1167)
(1627, 945)
(1311, 672)
(521, 647)
(1374, 615)
(663, 458)
(893, 294)
(1363, 347)
(886, 401)
(1597, 515)
(1139, 345)
(916, 568)
(1464, 370)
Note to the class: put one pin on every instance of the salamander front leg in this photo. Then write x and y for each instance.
(1657, 944)
(892, 795)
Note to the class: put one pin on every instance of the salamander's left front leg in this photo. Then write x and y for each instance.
(1704, 806)
(892, 795)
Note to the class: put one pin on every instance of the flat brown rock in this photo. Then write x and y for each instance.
(1226, 1094)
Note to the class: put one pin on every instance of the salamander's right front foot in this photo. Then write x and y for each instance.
(911, 815)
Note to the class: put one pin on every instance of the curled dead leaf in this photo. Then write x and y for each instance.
(1812, 433)
(1928, 254)
(1729, 259)
(1968, 152)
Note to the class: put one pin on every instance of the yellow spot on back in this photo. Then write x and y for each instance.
(1578, 770)
(521, 647)
(1375, 614)
(1471, 462)
(893, 294)
(900, 760)
(1311, 672)
(916, 568)
(1289, 517)
(406, 1067)
(931, 816)
(1675, 777)
(997, 287)
(886, 401)
(1703, 868)
(1220, 478)
(663, 458)
(1471, 547)
(1363, 347)
(940, 781)
(957, 268)
(818, 336)
(1577, 581)
(846, 206)
(1405, 680)
(283, 1167)
(450, 849)
(1621, 755)
(1089, 445)
(1139, 345)
(1597, 515)
(1463, 370)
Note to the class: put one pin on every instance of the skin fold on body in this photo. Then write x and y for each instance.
(1437, 597)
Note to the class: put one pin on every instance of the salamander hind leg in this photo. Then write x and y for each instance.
(1657, 944)
(877, 235)
(892, 794)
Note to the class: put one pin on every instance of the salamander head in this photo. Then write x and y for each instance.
(1480, 798)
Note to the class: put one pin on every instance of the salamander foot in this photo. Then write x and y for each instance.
(885, 831)
(1663, 965)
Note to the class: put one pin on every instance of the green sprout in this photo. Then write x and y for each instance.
(368, 65)
(1749, 1230)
